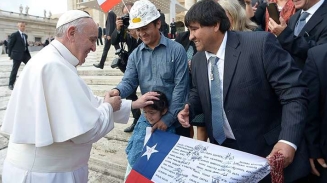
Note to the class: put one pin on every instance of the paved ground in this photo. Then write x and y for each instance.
(108, 159)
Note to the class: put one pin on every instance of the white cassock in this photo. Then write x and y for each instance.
(53, 118)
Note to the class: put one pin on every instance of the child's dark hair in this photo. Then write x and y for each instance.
(161, 104)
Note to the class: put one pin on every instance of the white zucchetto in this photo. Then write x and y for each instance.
(70, 16)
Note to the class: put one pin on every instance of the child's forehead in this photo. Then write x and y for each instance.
(148, 108)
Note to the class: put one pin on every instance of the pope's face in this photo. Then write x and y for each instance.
(84, 40)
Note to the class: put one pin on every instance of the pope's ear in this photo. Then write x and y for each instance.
(71, 32)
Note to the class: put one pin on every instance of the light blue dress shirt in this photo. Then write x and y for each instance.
(162, 69)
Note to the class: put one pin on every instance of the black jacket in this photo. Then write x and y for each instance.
(314, 73)
(120, 38)
(99, 32)
(183, 39)
(110, 23)
(17, 48)
(313, 33)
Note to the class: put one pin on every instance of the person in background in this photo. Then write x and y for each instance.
(314, 73)
(164, 26)
(130, 38)
(5, 42)
(305, 29)
(172, 29)
(46, 42)
(285, 8)
(237, 16)
(18, 51)
(99, 35)
(110, 27)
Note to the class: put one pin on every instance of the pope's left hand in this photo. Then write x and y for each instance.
(286, 150)
(160, 125)
(277, 28)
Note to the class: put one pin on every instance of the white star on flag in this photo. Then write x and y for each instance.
(149, 151)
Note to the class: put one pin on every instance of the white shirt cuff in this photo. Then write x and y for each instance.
(289, 143)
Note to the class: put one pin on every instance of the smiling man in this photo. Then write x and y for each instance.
(248, 88)
(52, 116)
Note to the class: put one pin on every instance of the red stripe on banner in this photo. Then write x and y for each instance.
(135, 177)
(109, 4)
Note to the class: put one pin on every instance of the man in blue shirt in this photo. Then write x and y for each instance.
(157, 64)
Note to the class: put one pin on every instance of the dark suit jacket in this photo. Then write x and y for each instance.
(17, 47)
(104, 31)
(110, 23)
(99, 32)
(313, 33)
(46, 42)
(264, 100)
(314, 74)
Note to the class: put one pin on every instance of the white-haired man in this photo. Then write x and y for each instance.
(53, 128)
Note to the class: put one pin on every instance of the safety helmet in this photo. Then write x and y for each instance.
(142, 13)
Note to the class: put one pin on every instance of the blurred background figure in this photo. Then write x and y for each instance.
(172, 29)
(123, 36)
(164, 26)
(285, 9)
(99, 35)
(314, 73)
(18, 51)
(237, 16)
(5, 43)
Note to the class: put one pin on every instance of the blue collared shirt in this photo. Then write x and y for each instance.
(162, 69)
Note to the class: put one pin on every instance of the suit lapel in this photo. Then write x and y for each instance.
(231, 58)
(203, 72)
(315, 19)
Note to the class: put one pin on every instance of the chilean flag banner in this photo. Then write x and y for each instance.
(107, 5)
(171, 158)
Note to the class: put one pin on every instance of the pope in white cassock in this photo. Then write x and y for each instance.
(52, 116)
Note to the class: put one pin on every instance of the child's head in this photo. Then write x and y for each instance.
(155, 111)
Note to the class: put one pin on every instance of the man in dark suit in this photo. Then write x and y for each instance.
(46, 42)
(296, 39)
(99, 35)
(18, 51)
(252, 98)
(172, 29)
(164, 26)
(5, 42)
(110, 27)
(314, 73)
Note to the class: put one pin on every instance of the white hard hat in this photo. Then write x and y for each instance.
(142, 13)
